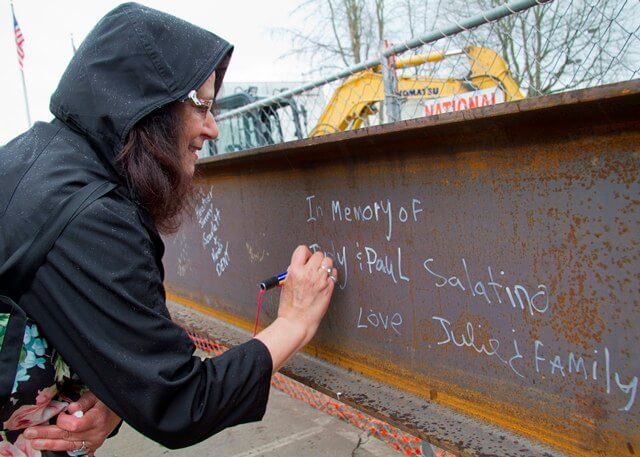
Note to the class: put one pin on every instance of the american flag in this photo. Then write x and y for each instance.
(19, 39)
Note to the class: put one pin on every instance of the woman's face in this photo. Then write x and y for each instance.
(198, 124)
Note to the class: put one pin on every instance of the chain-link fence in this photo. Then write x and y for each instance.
(479, 53)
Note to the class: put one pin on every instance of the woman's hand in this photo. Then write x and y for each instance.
(304, 300)
(70, 432)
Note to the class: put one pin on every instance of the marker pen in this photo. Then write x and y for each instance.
(273, 281)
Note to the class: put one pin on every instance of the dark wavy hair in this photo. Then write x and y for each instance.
(154, 167)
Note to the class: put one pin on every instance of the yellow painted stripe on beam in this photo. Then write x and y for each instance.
(221, 315)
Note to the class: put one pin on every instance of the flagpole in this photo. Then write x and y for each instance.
(24, 85)
(26, 99)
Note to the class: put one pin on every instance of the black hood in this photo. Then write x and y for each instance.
(134, 61)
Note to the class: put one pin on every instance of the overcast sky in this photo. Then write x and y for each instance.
(47, 26)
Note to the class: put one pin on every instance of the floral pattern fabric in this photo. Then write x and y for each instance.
(44, 386)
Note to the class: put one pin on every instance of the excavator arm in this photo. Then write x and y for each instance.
(356, 98)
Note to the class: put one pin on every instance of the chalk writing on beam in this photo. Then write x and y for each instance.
(490, 349)
(521, 357)
(384, 321)
(490, 290)
(370, 261)
(183, 262)
(209, 219)
(223, 262)
(382, 211)
(547, 365)
(600, 371)
(315, 211)
(255, 255)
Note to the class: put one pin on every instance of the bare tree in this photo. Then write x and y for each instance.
(562, 45)
(338, 33)
(379, 9)
(354, 10)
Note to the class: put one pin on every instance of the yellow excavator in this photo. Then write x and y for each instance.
(361, 95)
(357, 98)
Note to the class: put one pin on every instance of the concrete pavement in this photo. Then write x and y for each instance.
(290, 428)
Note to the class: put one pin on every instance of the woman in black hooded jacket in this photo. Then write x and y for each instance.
(133, 107)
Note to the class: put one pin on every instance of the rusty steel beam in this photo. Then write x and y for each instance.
(489, 268)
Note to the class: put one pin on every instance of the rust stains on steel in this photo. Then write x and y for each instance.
(488, 264)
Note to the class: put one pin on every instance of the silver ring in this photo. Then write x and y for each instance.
(84, 450)
(333, 278)
(327, 269)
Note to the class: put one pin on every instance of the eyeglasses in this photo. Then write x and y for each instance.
(203, 106)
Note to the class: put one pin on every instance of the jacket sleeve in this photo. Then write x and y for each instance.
(100, 301)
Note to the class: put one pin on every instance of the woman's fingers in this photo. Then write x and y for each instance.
(55, 436)
(315, 261)
(333, 277)
(303, 257)
(47, 432)
(327, 272)
(72, 432)
(300, 256)
(85, 423)
(61, 445)
(327, 264)
(85, 403)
